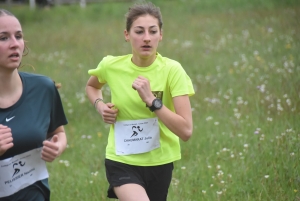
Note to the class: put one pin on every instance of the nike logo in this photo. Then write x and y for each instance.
(8, 119)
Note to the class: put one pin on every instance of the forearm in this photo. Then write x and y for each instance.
(62, 139)
(180, 126)
(93, 93)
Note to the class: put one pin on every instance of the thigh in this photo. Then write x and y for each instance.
(131, 192)
(119, 174)
(158, 182)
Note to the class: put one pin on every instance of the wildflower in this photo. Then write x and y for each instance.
(216, 123)
(220, 173)
(183, 167)
(266, 176)
(246, 145)
(219, 192)
(292, 154)
(209, 118)
(203, 191)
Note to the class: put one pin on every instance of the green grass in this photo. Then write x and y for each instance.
(243, 57)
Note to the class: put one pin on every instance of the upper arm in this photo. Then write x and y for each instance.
(57, 130)
(182, 107)
(94, 82)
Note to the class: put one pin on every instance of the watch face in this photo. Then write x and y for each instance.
(157, 103)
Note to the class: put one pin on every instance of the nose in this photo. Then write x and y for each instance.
(14, 42)
(147, 37)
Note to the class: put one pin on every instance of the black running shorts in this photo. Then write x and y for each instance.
(155, 179)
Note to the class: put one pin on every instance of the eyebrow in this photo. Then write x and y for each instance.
(5, 32)
(143, 27)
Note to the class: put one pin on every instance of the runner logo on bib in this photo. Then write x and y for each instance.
(136, 136)
(21, 171)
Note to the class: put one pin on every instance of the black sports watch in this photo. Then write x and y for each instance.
(156, 105)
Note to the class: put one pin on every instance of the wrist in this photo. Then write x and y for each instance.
(150, 101)
(156, 104)
(97, 101)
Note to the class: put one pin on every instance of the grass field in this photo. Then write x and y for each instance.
(244, 60)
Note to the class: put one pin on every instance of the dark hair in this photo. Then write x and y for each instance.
(5, 12)
(140, 9)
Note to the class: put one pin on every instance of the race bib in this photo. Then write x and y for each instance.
(21, 171)
(136, 136)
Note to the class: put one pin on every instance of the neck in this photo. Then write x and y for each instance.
(143, 62)
(10, 82)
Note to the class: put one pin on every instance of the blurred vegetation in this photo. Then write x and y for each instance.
(243, 58)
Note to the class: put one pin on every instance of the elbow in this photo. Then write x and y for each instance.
(187, 135)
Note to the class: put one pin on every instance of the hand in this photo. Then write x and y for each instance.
(51, 149)
(108, 112)
(6, 140)
(142, 85)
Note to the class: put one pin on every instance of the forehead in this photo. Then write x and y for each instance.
(9, 24)
(145, 21)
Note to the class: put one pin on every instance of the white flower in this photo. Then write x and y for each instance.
(209, 118)
(266, 176)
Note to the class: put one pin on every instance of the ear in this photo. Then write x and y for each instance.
(161, 35)
(126, 35)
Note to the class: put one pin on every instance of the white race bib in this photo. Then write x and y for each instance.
(136, 136)
(21, 171)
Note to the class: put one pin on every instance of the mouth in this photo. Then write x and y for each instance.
(14, 55)
(146, 47)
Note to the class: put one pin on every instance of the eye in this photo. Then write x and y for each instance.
(3, 38)
(20, 36)
(138, 32)
(153, 32)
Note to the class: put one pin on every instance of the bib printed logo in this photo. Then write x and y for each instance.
(136, 136)
(21, 171)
